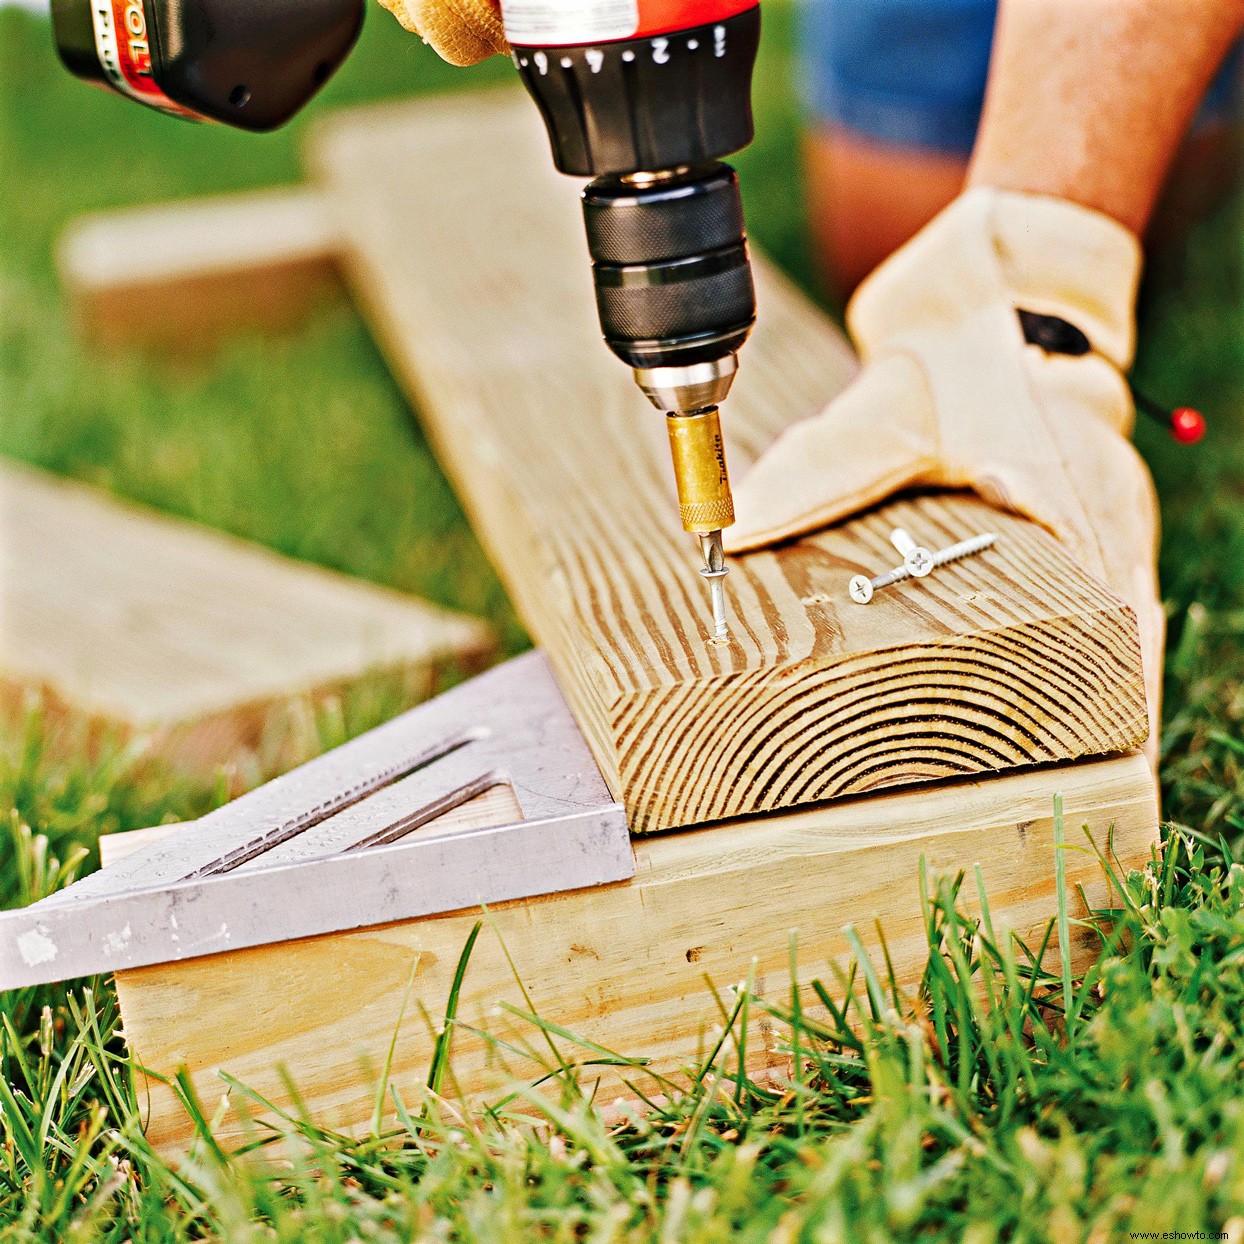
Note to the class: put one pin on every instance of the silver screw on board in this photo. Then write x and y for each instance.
(917, 559)
(861, 587)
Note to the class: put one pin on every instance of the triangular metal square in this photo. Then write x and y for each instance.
(333, 845)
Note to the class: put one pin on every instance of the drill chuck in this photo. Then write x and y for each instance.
(670, 265)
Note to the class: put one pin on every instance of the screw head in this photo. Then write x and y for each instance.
(919, 562)
(861, 589)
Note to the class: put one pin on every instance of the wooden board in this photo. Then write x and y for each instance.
(624, 966)
(466, 250)
(153, 626)
(182, 276)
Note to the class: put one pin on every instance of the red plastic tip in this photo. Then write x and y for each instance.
(1187, 425)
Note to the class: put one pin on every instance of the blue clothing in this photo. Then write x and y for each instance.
(912, 72)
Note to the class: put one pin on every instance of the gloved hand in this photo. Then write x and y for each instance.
(463, 32)
(951, 396)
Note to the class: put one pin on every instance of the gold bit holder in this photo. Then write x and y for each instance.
(699, 453)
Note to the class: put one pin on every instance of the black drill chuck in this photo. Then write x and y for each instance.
(669, 258)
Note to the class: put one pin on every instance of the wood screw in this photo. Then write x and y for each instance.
(917, 559)
(861, 587)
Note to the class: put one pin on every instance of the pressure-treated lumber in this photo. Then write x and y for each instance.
(465, 249)
(150, 626)
(623, 965)
(180, 277)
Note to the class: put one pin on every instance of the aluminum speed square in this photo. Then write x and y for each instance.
(336, 844)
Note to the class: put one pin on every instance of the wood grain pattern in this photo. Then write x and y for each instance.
(466, 250)
(152, 626)
(625, 965)
(180, 277)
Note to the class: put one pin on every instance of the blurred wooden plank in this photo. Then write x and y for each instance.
(180, 277)
(623, 966)
(151, 626)
(466, 250)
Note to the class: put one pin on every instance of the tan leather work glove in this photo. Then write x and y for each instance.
(951, 396)
(463, 32)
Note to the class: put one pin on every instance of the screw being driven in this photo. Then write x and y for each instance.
(715, 570)
(861, 587)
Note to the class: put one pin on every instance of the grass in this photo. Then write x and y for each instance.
(995, 1103)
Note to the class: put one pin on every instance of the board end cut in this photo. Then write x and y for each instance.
(1009, 659)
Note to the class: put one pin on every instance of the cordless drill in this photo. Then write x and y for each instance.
(644, 96)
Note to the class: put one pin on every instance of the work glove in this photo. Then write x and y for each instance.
(951, 396)
(463, 32)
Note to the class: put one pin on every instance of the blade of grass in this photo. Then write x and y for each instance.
(1064, 924)
(440, 1055)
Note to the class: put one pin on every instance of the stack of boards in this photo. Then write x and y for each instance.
(794, 778)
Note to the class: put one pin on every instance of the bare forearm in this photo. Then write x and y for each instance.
(1088, 99)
